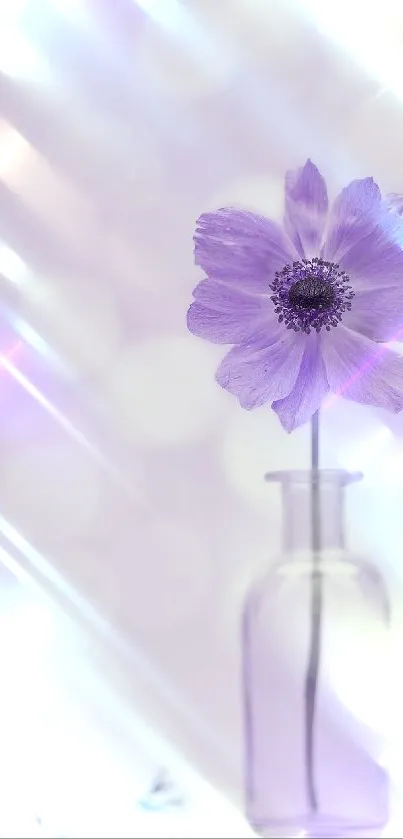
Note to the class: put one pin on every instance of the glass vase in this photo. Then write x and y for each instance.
(314, 629)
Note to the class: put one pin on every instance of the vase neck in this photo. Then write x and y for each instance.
(309, 494)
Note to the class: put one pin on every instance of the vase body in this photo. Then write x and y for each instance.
(329, 782)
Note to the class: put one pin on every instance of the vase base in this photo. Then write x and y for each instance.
(293, 833)
(275, 834)
(319, 829)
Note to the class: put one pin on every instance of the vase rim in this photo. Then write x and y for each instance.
(340, 477)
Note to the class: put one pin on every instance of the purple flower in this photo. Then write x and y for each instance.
(305, 305)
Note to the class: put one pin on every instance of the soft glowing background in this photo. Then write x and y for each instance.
(130, 485)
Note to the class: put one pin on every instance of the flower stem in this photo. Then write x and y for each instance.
(311, 683)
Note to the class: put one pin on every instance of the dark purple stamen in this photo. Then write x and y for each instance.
(311, 294)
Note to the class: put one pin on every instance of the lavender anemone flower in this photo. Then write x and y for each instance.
(305, 305)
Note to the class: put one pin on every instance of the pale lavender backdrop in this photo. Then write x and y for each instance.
(122, 463)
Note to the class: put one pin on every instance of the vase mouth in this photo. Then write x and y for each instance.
(335, 477)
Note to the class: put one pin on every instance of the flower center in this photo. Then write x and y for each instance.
(311, 294)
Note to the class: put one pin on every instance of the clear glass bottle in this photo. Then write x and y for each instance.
(328, 782)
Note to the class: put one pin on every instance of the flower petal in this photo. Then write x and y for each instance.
(392, 206)
(257, 375)
(364, 235)
(306, 206)
(227, 315)
(392, 216)
(377, 313)
(241, 248)
(309, 390)
(352, 218)
(374, 262)
(361, 370)
(394, 203)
